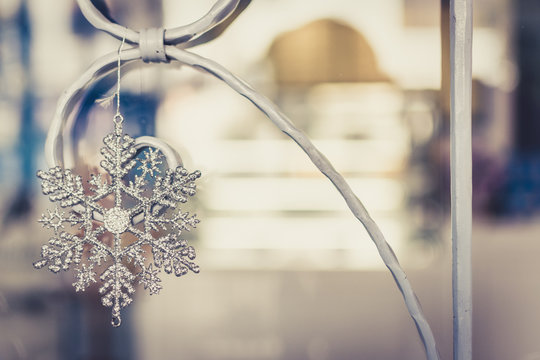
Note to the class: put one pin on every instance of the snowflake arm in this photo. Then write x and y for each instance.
(135, 187)
(174, 254)
(99, 254)
(62, 186)
(150, 280)
(100, 187)
(117, 289)
(85, 277)
(179, 222)
(56, 220)
(150, 163)
(174, 187)
(60, 252)
(118, 153)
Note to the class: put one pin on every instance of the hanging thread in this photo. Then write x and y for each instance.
(118, 116)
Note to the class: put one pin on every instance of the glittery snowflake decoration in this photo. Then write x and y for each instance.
(118, 221)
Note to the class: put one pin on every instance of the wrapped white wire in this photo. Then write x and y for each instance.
(55, 154)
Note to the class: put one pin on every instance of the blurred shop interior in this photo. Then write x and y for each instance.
(287, 271)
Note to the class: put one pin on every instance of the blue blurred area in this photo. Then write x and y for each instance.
(518, 194)
(28, 138)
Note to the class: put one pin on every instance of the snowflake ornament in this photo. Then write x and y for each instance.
(118, 220)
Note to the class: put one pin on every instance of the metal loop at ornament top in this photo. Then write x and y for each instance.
(118, 119)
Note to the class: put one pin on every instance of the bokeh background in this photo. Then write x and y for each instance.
(287, 272)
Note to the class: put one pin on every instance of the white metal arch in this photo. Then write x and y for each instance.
(461, 33)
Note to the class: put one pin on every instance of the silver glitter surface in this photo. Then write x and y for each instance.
(102, 234)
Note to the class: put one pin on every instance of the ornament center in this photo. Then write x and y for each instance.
(116, 220)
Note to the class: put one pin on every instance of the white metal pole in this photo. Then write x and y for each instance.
(461, 173)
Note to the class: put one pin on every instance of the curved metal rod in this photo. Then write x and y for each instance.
(221, 10)
(325, 167)
(62, 123)
(105, 64)
(99, 21)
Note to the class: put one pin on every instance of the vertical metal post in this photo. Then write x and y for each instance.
(461, 173)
